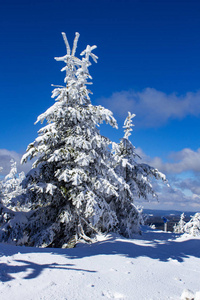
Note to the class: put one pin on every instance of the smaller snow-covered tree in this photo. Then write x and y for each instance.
(11, 185)
(137, 175)
(193, 226)
(179, 228)
(135, 179)
(12, 212)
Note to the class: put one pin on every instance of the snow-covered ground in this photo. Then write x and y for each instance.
(155, 265)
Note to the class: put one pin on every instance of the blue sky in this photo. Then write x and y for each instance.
(149, 64)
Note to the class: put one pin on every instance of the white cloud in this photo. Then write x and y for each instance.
(172, 198)
(184, 191)
(6, 156)
(180, 199)
(192, 184)
(153, 108)
(181, 161)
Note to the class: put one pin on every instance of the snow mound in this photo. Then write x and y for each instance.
(189, 295)
(155, 265)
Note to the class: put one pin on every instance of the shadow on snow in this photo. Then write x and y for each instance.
(33, 269)
(154, 245)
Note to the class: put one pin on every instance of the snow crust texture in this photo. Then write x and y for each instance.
(155, 266)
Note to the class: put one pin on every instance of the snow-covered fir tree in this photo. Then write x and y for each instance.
(179, 228)
(191, 227)
(12, 210)
(136, 175)
(135, 178)
(71, 180)
(77, 186)
(11, 186)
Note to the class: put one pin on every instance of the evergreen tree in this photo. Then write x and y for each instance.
(71, 181)
(12, 211)
(179, 228)
(10, 186)
(135, 180)
(193, 226)
(77, 186)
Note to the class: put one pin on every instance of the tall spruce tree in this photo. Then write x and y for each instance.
(72, 178)
(77, 185)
